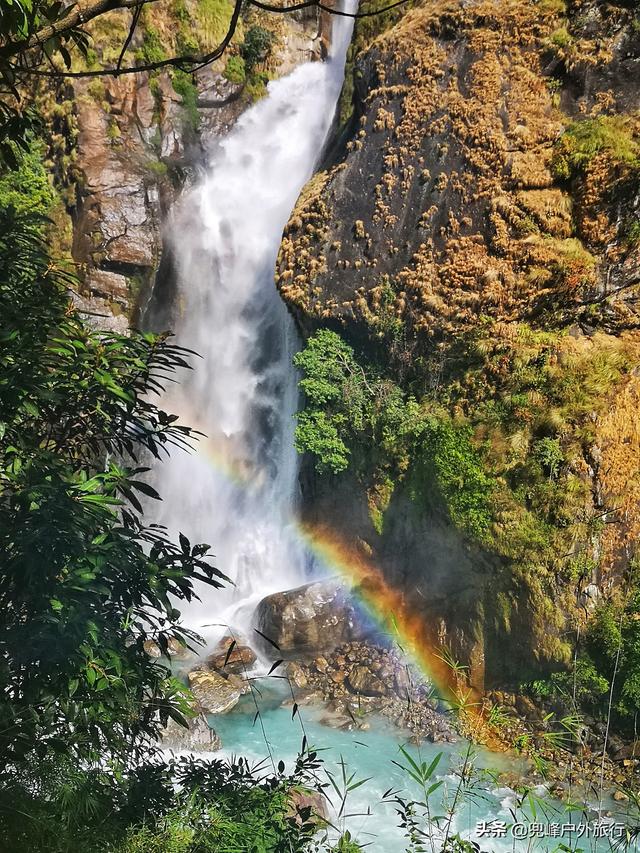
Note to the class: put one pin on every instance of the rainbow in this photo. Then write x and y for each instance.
(389, 609)
(386, 606)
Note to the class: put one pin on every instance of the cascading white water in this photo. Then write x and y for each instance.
(238, 490)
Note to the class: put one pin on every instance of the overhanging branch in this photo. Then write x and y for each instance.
(78, 16)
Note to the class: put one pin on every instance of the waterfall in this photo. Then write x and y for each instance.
(237, 491)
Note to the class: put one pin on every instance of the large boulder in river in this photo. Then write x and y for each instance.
(312, 618)
(214, 693)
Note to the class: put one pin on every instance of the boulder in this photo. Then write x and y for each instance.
(316, 617)
(362, 680)
(307, 806)
(175, 648)
(214, 693)
(239, 659)
(198, 737)
(627, 751)
(296, 674)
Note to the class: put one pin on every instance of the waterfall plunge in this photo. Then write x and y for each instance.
(238, 489)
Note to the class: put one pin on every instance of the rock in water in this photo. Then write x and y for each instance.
(214, 693)
(236, 661)
(199, 736)
(316, 617)
(362, 680)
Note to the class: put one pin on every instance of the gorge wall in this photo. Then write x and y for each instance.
(122, 148)
(474, 239)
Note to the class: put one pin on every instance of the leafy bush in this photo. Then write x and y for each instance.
(234, 70)
(548, 452)
(152, 49)
(610, 633)
(184, 805)
(449, 469)
(28, 188)
(348, 406)
(184, 85)
(256, 46)
(585, 139)
(84, 582)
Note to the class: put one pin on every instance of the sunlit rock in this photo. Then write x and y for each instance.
(215, 694)
(312, 618)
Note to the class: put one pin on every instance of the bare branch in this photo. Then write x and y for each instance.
(76, 16)
(306, 4)
(81, 15)
(134, 23)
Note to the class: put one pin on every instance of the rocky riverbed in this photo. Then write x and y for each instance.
(350, 675)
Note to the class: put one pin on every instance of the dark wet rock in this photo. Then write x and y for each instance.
(362, 680)
(232, 660)
(175, 648)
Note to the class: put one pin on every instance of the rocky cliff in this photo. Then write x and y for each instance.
(122, 148)
(475, 239)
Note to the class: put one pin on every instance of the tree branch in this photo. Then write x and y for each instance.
(75, 17)
(78, 16)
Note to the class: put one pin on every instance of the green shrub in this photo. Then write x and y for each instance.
(28, 189)
(350, 406)
(449, 470)
(548, 453)
(585, 139)
(152, 49)
(256, 46)
(590, 685)
(184, 85)
(234, 70)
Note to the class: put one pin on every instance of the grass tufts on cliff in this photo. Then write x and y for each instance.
(586, 139)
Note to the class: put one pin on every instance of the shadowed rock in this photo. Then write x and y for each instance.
(362, 680)
(199, 736)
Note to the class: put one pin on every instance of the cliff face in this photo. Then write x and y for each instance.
(476, 238)
(132, 142)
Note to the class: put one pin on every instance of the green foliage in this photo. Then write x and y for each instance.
(589, 685)
(318, 434)
(349, 406)
(548, 452)
(185, 86)
(585, 139)
(256, 46)
(28, 188)
(336, 400)
(84, 581)
(183, 805)
(632, 233)
(561, 38)
(611, 631)
(152, 49)
(450, 471)
(212, 17)
(234, 70)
